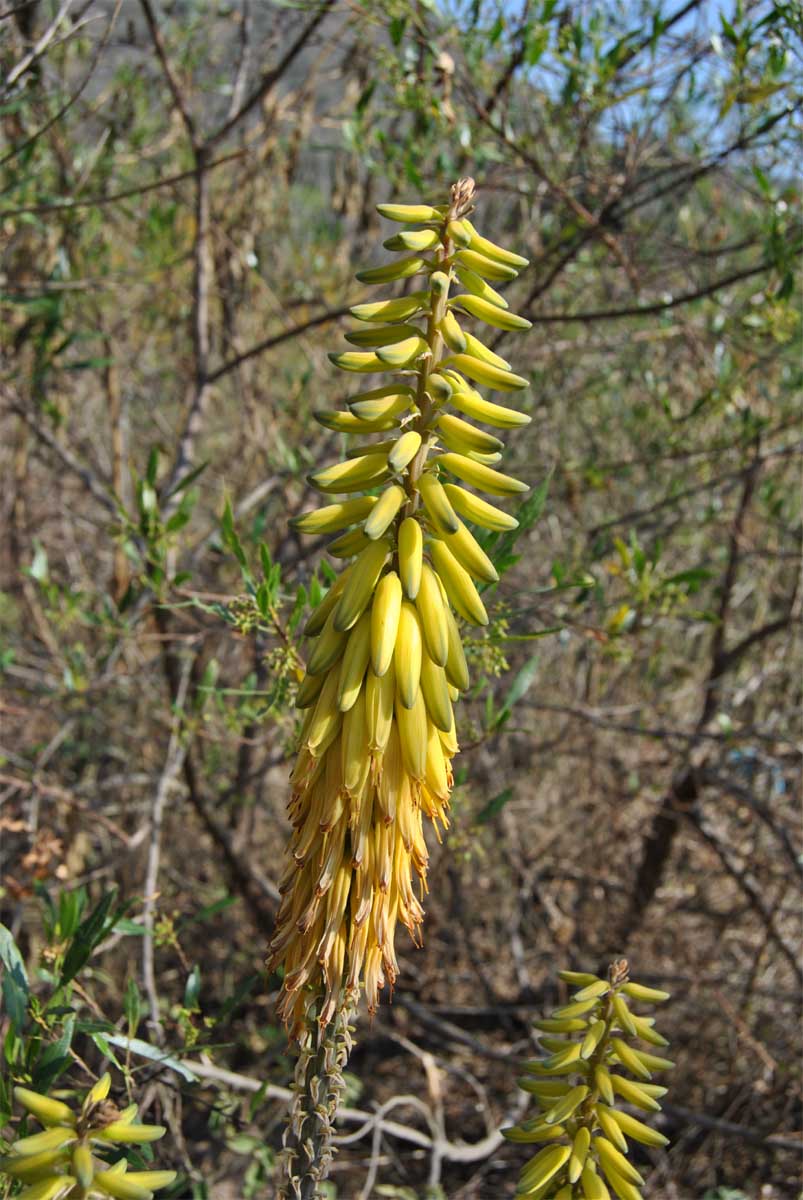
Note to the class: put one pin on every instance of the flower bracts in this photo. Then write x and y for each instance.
(387, 665)
(597, 1063)
(61, 1162)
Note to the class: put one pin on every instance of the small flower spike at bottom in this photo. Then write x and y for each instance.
(63, 1161)
(596, 1063)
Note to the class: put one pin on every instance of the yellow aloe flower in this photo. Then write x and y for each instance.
(59, 1163)
(387, 664)
(580, 1086)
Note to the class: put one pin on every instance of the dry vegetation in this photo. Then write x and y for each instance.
(185, 195)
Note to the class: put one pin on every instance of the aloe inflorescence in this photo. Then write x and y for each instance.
(387, 664)
(63, 1161)
(597, 1063)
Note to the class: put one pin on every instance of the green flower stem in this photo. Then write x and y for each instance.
(586, 1111)
(434, 337)
(319, 1085)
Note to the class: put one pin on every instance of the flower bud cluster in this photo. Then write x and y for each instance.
(387, 665)
(597, 1070)
(63, 1163)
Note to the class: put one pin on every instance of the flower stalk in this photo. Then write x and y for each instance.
(323, 1052)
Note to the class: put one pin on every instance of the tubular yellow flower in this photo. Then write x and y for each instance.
(387, 663)
(59, 1162)
(589, 1050)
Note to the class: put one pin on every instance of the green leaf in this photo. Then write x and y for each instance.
(88, 935)
(522, 683)
(16, 990)
(787, 286)
(755, 93)
(728, 30)
(501, 547)
(153, 466)
(211, 910)
(145, 1050)
(5, 1102)
(177, 521)
(524, 680)
(263, 599)
(192, 988)
(71, 906)
(694, 577)
(299, 606)
(496, 30)
(256, 1100)
(241, 992)
(365, 97)
(537, 42)
(130, 928)
(12, 1045)
(11, 958)
(90, 1027)
(493, 807)
(55, 1058)
(231, 540)
(185, 480)
(132, 1005)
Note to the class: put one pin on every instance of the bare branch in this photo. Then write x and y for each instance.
(127, 194)
(176, 751)
(172, 82)
(276, 339)
(65, 108)
(39, 47)
(272, 76)
(90, 481)
(640, 310)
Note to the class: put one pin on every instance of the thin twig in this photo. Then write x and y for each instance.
(642, 310)
(126, 194)
(39, 47)
(271, 77)
(745, 1133)
(463, 1152)
(89, 480)
(376, 1136)
(276, 339)
(174, 760)
(167, 70)
(65, 108)
(244, 60)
